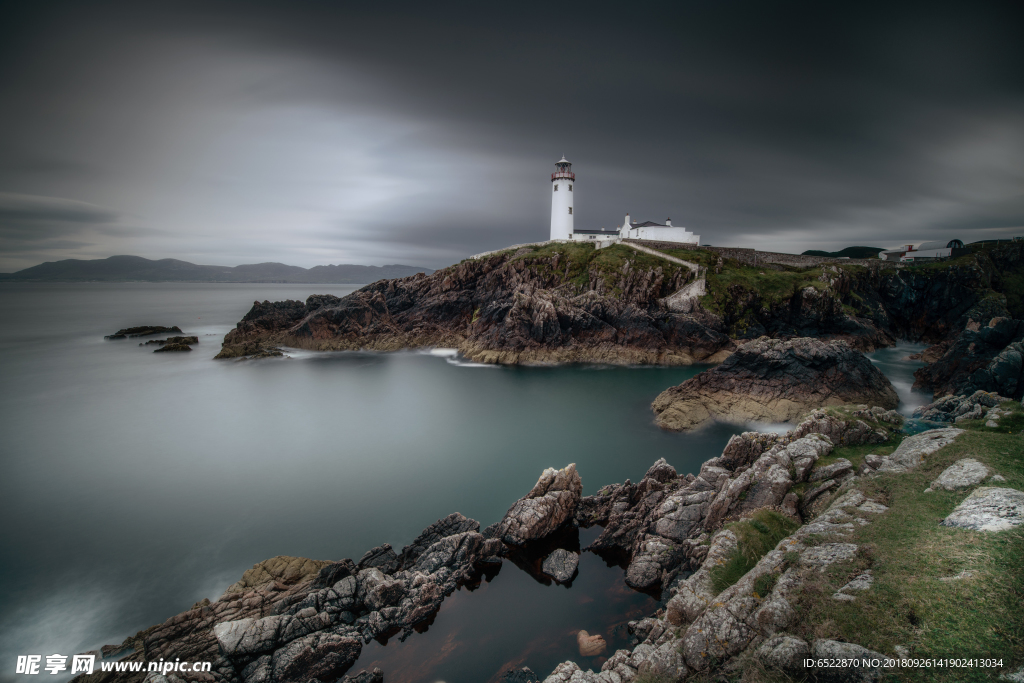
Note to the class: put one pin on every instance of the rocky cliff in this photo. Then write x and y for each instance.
(559, 303)
(770, 380)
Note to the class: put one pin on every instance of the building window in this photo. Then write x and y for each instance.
(570, 210)
(556, 187)
(570, 188)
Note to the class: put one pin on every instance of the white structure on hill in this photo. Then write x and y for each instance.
(562, 193)
(657, 232)
(562, 181)
(925, 251)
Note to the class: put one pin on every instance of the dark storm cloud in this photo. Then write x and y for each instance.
(323, 132)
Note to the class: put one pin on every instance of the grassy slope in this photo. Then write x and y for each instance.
(577, 262)
(909, 552)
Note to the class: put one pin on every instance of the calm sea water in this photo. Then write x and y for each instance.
(136, 483)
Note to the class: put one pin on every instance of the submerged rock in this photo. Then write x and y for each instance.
(775, 381)
(173, 347)
(143, 331)
(561, 565)
(590, 645)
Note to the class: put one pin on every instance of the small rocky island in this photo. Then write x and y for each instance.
(771, 380)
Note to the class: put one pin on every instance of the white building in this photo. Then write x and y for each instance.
(562, 193)
(657, 232)
(562, 181)
(924, 251)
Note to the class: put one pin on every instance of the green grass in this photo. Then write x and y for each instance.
(577, 264)
(909, 552)
(756, 536)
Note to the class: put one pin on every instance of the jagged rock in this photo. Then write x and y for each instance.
(382, 557)
(561, 564)
(319, 655)
(959, 408)
(590, 645)
(455, 523)
(173, 340)
(834, 471)
(695, 594)
(912, 451)
(987, 355)
(169, 348)
(961, 474)
(288, 570)
(549, 505)
(524, 675)
(774, 380)
(988, 509)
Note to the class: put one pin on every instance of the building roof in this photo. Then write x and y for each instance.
(649, 224)
(609, 231)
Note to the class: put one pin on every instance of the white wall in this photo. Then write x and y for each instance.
(663, 235)
(561, 203)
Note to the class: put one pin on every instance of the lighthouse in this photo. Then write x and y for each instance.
(562, 181)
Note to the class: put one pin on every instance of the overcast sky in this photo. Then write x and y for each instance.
(341, 132)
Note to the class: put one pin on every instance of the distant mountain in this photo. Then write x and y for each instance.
(136, 268)
(849, 252)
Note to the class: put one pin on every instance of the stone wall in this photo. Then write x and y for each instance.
(755, 258)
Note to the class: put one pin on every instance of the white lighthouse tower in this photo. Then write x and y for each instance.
(562, 181)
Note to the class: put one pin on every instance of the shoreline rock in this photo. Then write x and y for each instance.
(143, 331)
(776, 381)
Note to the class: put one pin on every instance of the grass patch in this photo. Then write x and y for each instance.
(578, 265)
(756, 536)
(653, 678)
(1006, 424)
(909, 553)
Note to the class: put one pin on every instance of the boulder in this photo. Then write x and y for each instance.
(549, 505)
(912, 451)
(961, 474)
(561, 565)
(833, 471)
(774, 380)
(784, 652)
(590, 645)
(988, 509)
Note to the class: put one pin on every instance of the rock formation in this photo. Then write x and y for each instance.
(292, 619)
(775, 381)
(988, 509)
(563, 303)
(549, 505)
(143, 331)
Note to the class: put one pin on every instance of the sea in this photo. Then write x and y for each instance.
(137, 483)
